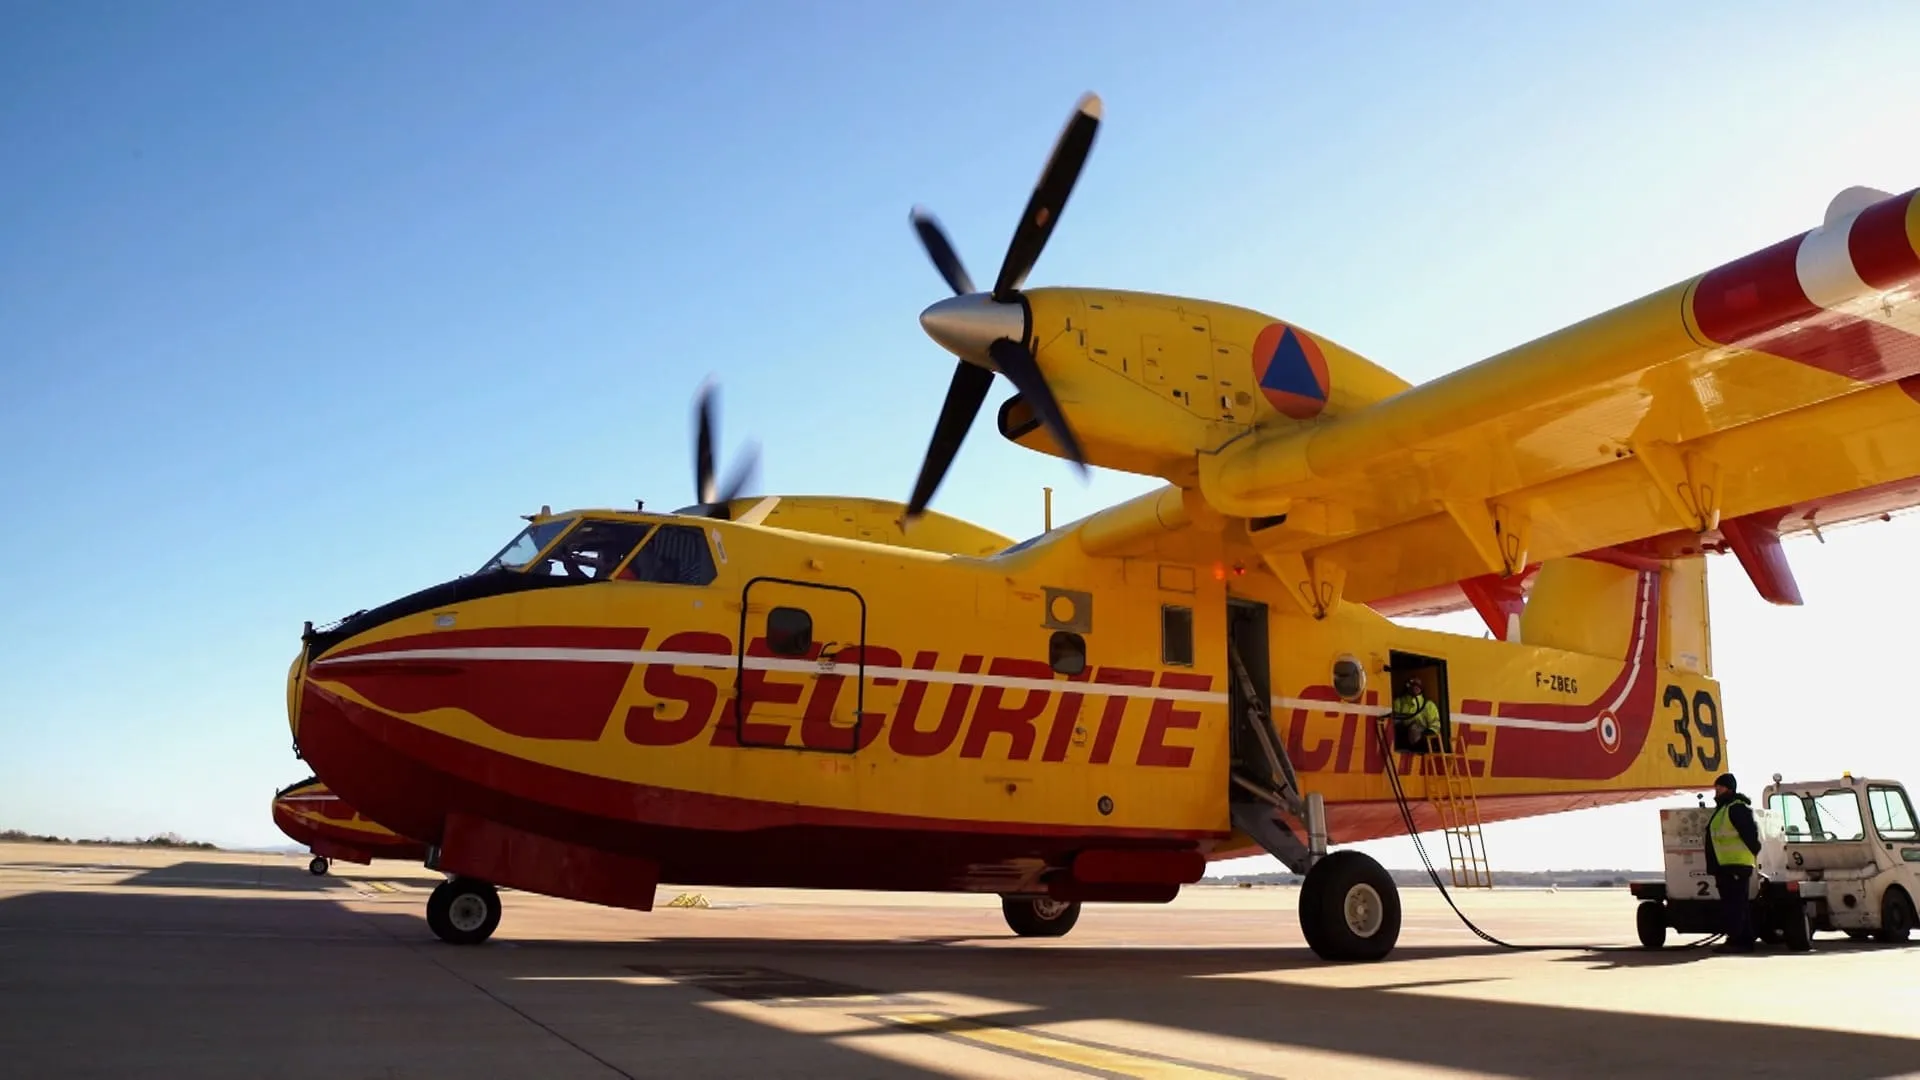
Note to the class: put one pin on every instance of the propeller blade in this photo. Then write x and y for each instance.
(934, 239)
(1049, 196)
(703, 446)
(964, 397)
(1017, 364)
(741, 476)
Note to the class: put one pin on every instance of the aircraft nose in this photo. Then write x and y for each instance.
(965, 325)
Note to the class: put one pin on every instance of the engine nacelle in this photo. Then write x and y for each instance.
(1149, 382)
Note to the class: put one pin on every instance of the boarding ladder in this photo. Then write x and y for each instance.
(1448, 780)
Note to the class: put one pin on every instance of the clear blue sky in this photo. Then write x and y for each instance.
(301, 306)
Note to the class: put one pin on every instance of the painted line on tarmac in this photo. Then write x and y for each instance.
(1061, 1051)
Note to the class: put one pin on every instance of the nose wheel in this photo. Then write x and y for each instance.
(1039, 916)
(463, 911)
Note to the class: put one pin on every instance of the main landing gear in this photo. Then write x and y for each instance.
(1039, 916)
(1349, 908)
(318, 867)
(463, 911)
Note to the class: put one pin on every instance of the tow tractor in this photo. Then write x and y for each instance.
(1835, 855)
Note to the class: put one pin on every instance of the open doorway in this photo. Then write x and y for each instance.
(1249, 699)
(1410, 672)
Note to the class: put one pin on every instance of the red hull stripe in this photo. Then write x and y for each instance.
(537, 785)
(410, 656)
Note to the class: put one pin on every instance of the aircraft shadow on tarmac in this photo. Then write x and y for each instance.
(216, 875)
(86, 972)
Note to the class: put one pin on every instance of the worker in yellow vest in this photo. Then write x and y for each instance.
(1733, 842)
(1419, 718)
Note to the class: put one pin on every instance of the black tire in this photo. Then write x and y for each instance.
(1860, 935)
(463, 911)
(1651, 921)
(1796, 929)
(1896, 917)
(318, 867)
(1039, 916)
(1349, 908)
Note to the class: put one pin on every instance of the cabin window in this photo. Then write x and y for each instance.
(593, 550)
(1176, 635)
(1892, 814)
(1837, 816)
(789, 632)
(673, 555)
(1067, 652)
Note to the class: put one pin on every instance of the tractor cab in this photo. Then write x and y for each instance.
(1859, 837)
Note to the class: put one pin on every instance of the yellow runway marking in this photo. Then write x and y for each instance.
(384, 886)
(1075, 1054)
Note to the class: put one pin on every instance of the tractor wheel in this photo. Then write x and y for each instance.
(1651, 921)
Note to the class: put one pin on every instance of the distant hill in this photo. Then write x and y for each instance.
(171, 841)
(1538, 879)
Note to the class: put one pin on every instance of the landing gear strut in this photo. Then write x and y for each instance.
(463, 911)
(1039, 916)
(318, 867)
(1349, 908)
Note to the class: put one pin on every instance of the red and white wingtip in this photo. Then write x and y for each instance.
(1852, 201)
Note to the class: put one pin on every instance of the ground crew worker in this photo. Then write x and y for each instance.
(1733, 841)
(1419, 717)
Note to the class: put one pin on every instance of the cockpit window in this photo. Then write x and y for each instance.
(529, 544)
(593, 550)
(676, 555)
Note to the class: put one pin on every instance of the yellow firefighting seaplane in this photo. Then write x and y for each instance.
(831, 693)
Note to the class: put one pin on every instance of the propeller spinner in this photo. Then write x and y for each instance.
(988, 331)
(714, 500)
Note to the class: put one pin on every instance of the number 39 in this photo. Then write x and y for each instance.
(1697, 715)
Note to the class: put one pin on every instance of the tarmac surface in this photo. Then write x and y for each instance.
(122, 962)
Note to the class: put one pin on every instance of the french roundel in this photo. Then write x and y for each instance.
(1609, 731)
(1291, 371)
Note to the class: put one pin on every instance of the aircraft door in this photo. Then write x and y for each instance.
(800, 675)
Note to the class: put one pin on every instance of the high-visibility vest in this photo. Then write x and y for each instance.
(1421, 714)
(1728, 848)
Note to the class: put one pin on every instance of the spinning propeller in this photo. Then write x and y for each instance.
(713, 502)
(988, 331)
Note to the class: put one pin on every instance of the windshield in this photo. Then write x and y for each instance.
(592, 550)
(531, 542)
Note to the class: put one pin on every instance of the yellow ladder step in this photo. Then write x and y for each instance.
(1448, 779)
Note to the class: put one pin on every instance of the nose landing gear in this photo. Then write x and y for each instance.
(1039, 916)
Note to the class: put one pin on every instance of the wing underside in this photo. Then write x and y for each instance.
(1777, 393)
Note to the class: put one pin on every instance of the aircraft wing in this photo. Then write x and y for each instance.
(1778, 392)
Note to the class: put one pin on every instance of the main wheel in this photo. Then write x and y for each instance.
(1349, 908)
(1651, 921)
(1896, 917)
(318, 867)
(463, 911)
(1039, 916)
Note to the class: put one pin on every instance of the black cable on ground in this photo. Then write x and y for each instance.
(1413, 833)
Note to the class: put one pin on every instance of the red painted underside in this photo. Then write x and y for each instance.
(414, 779)
(323, 839)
